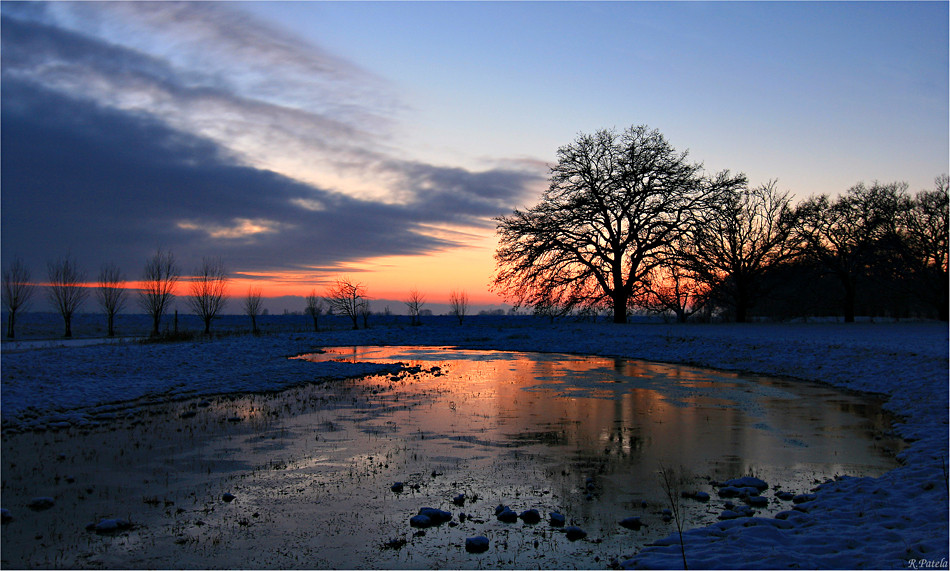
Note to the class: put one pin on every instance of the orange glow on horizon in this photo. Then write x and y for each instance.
(468, 268)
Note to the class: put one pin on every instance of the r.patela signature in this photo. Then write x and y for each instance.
(927, 563)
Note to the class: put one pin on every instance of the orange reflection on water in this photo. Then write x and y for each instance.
(627, 417)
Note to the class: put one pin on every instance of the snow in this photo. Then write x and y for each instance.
(52, 386)
(899, 520)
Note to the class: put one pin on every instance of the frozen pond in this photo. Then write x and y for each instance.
(627, 417)
(311, 469)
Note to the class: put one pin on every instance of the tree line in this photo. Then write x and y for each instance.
(628, 223)
(68, 288)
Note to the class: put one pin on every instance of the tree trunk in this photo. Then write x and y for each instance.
(69, 326)
(111, 325)
(11, 319)
(741, 295)
(620, 308)
(316, 326)
(742, 310)
(254, 325)
(155, 319)
(207, 326)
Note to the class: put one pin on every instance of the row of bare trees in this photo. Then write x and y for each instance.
(68, 288)
(458, 305)
(628, 222)
(873, 247)
(349, 298)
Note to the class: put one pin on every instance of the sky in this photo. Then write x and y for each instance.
(303, 141)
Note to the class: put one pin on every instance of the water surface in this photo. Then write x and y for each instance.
(311, 468)
(642, 412)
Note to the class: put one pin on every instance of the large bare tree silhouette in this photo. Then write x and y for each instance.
(614, 201)
(844, 234)
(736, 239)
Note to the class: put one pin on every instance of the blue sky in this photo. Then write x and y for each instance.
(303, 140)
(818, 95)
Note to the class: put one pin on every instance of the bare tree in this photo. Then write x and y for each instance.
(346, 298)
(458, 304)
(111, 293)
(844, 234)
(253, 303)
(735, 240)
(365, 312)
(414, 303)
(925, 227)
(209, 290)
(314, 309)
(17, 291)
(66, 289)
(613, 202)
(670, 286)
(158, 286)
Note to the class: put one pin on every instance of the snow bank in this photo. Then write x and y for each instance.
(899, 520)
(55, 386)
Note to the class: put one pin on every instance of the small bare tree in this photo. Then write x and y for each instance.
(672, 287)
(314, 309)
(110, 293)
(346, 298)
(365, 312)
(158, 286)
(414, 303)
(209, 290)
(66, 289)
(458, 304)
(17, 291)
(253, 303)
(673, 482)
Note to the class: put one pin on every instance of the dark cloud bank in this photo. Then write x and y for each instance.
(110, 185)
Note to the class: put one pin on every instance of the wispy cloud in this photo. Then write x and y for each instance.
(272, 103)
(195, 126)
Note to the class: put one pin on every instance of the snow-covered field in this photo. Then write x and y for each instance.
(899, 520)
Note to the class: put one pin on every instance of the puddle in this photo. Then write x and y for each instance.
(311, 468)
